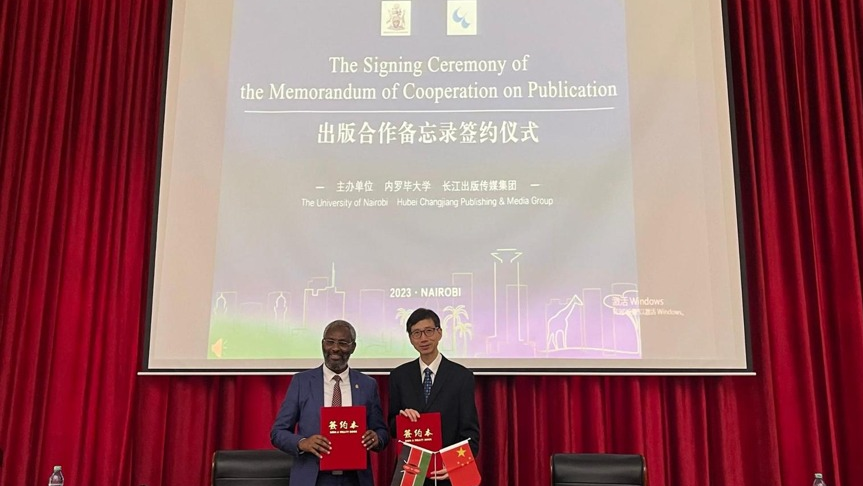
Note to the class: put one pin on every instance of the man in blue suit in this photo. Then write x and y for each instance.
(298, 424)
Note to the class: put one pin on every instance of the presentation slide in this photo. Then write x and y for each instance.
(555, 179)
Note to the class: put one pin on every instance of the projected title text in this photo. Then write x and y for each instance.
(410, 90)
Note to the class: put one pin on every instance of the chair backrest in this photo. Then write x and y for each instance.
(265, 467)
(598, 470)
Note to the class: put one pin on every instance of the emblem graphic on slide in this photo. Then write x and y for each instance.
(461, 17)
(395, 18)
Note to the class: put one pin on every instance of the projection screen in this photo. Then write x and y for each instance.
(555, 178)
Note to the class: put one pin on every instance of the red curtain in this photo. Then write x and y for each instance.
(80, 87)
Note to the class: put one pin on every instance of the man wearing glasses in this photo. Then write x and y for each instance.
(298, 424)
(433, 383)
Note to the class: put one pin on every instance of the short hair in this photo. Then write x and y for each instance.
(421, 315)
(341, 323)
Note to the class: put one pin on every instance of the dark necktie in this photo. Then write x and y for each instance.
(427, 383)
(337, 391)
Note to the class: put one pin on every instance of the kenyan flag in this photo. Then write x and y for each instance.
(411, 466)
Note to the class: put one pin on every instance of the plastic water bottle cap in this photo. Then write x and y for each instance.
(57, 468)
(818, 476)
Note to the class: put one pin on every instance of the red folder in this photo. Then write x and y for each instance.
(425, 433)
(344, 427)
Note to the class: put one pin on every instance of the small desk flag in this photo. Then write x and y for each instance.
(412, 465)
(460, 464)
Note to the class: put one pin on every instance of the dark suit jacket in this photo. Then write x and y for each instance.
(452, 395)
(301, 409)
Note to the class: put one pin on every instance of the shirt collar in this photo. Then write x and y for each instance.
(434, 365)
(329, 374)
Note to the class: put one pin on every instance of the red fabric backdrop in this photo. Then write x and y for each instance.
(80, 85)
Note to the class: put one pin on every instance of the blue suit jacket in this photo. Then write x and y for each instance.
(301, 410)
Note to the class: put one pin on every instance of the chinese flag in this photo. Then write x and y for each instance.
(413, 462)
(460, 464)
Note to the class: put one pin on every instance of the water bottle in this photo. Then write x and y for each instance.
(819, 480)
(56, 478)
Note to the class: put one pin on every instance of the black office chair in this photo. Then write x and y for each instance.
(265, 467)
(598, 470)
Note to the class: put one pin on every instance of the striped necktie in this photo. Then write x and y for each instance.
(337, 391)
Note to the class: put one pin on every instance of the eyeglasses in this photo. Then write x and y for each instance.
(340, 343)
(429, 332)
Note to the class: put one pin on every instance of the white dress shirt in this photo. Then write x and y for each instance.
(345, 387)
(434, 366)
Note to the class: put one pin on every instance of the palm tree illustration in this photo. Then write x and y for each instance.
(402, 315)
(465, 331)
(454, 314)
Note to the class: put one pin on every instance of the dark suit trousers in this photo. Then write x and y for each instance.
(349, 478)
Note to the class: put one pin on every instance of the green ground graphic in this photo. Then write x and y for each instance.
(247, 338)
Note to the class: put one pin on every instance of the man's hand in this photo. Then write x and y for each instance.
(316, 444)
(439, 474)
(411, 414)
(371, 440)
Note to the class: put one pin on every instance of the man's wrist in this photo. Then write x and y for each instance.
(300, 449)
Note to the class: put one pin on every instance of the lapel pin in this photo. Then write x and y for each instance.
(357, 387)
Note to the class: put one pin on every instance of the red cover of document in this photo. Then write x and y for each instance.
(425, 433)
(344, 427)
